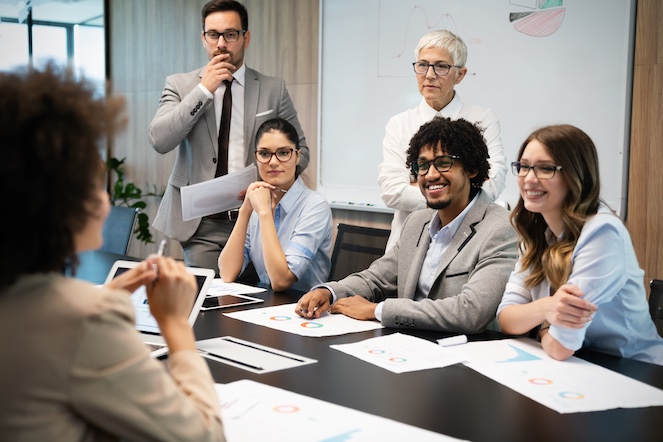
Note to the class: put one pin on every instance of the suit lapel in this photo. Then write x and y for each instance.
(251, 95)
(418, 256)
(210, 120)
(464, 233)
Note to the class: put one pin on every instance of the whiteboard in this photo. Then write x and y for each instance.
(580, 74)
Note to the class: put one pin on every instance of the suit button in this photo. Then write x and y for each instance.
(198, 107)
(200, 103)
(193, 113)
(214, 160)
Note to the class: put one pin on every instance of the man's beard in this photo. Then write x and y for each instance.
(438, 205)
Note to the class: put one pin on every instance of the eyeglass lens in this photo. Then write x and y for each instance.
(440, 69)
(442, 164)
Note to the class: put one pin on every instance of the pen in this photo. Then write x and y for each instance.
(162, 247)
(215, 355)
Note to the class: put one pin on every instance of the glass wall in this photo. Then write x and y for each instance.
(69, 34)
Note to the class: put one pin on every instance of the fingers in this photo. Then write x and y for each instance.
(173, 292)
(143, 274)
(217, 71)
(569, 309)
(313, 304)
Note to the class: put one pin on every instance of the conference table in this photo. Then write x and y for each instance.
(455, 400)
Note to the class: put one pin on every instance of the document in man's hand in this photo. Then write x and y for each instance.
(217, 195)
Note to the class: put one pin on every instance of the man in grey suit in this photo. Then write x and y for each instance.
(190, 115)
(451, 262)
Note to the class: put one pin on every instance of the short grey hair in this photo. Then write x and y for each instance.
(447, 40)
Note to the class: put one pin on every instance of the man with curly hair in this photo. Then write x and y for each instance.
(450, 264)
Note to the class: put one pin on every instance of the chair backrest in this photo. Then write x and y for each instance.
(356, 247)
(118, 229)
(656, 303)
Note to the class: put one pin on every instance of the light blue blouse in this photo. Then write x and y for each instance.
(606, 269)
(303, 222)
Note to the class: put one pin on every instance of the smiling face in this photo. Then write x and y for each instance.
(438, 91)
(448, 192)
(277, 173)
(543, 196)
(223, 21)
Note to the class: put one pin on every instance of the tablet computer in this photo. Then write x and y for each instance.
(228, 300)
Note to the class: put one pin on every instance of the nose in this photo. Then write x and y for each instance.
(531, 176)
(430, 72)
(273, 161)
(432, 173)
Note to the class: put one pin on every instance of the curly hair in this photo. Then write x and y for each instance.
(51, 167)
(455, 137)
(572, 149)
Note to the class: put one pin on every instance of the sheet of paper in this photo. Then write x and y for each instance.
(255, 411)
(284, 318)
(249, 356)
(401, 353)
(217, 195)
(218, 288)
(570, 386)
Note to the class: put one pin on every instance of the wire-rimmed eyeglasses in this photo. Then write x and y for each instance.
(283, 154)
(440, 69)
(541, 171)
(230, 36)
(442, 163)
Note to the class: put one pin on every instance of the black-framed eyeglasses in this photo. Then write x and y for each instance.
(283, 154)
(440, 69)
(442, 163)
(230, 36)
(541, 171)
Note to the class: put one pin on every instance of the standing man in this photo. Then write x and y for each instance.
(213, 114)
(440, 65)
(449, 267)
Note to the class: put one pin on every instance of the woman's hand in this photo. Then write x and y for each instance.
(566, 308)
(259, 195)
(143, 274)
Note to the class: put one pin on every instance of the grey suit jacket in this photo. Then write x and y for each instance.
(470, 280)
(185, 118)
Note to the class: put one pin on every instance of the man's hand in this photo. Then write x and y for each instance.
(314, 303)
(355, 307)
(216, 72)
(566, 308)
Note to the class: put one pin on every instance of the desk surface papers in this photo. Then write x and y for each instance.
(570, 386)
(255, 411)
(284, 318)
(401, 353)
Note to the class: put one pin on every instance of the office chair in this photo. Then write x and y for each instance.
(656, 303)
(118, 229)
(355, 249)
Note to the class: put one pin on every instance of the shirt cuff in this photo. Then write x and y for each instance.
(206, 92)
(378, 311)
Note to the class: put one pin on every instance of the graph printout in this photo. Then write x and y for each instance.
(255, 411)
(284, 318)
(570, 386)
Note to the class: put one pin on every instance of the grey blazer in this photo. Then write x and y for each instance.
(470, 281)
(185, 118)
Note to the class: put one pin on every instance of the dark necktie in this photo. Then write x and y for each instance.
(224, 131)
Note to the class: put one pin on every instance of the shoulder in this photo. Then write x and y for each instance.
(263, 79)
(602, 222)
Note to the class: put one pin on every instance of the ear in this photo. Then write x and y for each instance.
(247, 39)
(460, 74)
(299, 157)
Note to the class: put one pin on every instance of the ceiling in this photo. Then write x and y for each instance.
(62, 11)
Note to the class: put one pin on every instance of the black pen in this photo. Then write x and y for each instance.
(262, 349)
(209, 353)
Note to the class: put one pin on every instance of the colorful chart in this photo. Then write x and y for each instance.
(543, 19)
(311, 325)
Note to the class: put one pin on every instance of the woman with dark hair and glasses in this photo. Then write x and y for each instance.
(283, 227)
(577, 278)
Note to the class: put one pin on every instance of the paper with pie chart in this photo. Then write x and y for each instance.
(284, 318)
(570, 386)
(401, 353)
(254, 411)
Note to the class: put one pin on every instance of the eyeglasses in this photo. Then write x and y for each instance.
(442, 163)
(230, 36)
(264, 156)
(541, 171)
(440, 69)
